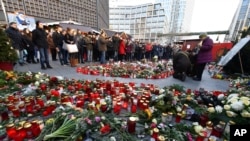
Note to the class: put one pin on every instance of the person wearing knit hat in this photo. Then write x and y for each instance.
(204, 55)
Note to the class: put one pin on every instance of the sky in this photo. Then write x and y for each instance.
(208, 15)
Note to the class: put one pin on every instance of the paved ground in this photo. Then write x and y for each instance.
(70, 72)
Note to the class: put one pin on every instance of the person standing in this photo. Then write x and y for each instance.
(89, 46)
(69, 38)
(204, 55)
(27, 39)
(58, 41)
(39, 38)
(16, 40)
(116, 43)
(102, 46)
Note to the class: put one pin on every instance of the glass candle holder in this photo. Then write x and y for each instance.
(125, 104)
(11, 130)
(144, 106)
(104, 107)
(164, 117)
(40, 102)
(80, 103)
(29, 108)
(131, 123)
(133, 108)
(16, 112)
(18, 136)
(35, 128)
(117, 108)
(170, 117)
(178, 118)
(28, 129)
(200, 137)
(155, 133)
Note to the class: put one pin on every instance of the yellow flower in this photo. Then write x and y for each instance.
(211, 109)
(227, 107)
(231, 114)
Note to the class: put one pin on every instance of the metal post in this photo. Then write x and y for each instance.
(4, 11)
(241, 66)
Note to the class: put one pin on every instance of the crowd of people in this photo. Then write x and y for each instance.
(36, 46)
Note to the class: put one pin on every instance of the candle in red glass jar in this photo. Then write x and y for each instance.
(10, 107)
(11, 130)
(178, 118)
(27, 127)
(40, 102)
(35, 127)
(29, 108)
(131, 123)
(80, 103)
(104, 107)
(125, 104)
(144, 106)
(133, 108)
(16, 112)
(11, 97)
(18, 136)
(201, 137)
(117, 108)
(155, 133)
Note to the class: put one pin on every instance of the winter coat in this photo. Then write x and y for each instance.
(39, 38)
(88, 43)
(181, 62)
(50, 42)
(122, 47)
(102, 44)
(205, 52)
(69, 39)
(116, 42)
(58, 39)
(27, 41)
(16, 38)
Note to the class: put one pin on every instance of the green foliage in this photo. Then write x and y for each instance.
(7, 53)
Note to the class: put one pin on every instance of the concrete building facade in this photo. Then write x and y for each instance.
(92, 13)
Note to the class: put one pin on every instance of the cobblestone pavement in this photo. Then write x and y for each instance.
(70, 72)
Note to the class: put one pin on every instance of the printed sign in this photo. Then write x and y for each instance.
(22, 20)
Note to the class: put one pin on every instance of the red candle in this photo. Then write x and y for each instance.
(11, 130)
(35, 128)
(80, 103)
(133, 108)
(117, 108)
(178, 118)
(131, 123)
(104, 107)
(40, 102)
(19, 136)
(29, 108)
(27, 127)
(11, 97)
(125, 104)
(201, 137)
(16, 112)
(10, 107)
(43, 87)
(155, 133)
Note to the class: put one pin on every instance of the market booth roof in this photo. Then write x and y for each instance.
(73, 25)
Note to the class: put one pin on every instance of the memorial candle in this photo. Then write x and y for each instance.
(131, 123)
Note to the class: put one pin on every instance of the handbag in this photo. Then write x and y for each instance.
(71, 48)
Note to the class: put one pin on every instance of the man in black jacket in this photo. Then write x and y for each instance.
(116, 44)
(16, 40)
(58, 41)
(39, 38)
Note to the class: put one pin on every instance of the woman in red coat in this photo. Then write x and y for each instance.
(122, 51)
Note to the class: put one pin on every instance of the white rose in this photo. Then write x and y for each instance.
(245, 114)
(227, 107)
(198, 129)
(37, 83)
(246, 102)
(154, 121)
(231, 114)
(178, 109)
(195, 123)
(41, 80)
(218, 109)
(37, 76)
(244, 98)
(211, 109)
(237, 106)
